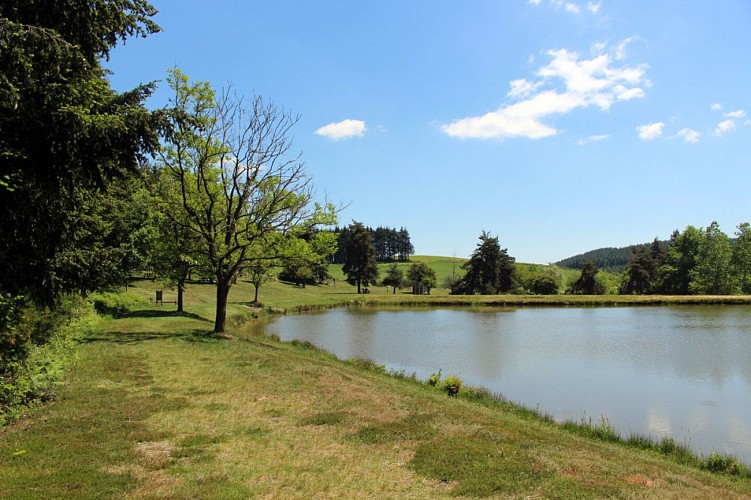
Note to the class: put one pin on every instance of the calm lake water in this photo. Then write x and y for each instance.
(683, 372)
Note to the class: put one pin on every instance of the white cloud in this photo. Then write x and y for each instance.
(650, 131)
(688, 135)
(580, 84)
(572, 7)
(593, 7)
(594, 138)
(716, 106)
(724, 127)
(522, 88)
(598, 138)
(628, 94)
(343, 129)
(621, 51)
(736, 114)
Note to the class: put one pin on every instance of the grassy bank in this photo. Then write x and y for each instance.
(157, 408)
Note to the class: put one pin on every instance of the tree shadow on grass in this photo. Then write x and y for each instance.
(160, 313)
(124, 338)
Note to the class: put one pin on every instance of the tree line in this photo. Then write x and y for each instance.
(389, 244)
(696, 261)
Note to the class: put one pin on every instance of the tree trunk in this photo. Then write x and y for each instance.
(255, 300)
(222, 292)
(358, 287)
(180, 288)
(394, 290)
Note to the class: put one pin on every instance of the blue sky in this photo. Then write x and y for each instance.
(558, 126)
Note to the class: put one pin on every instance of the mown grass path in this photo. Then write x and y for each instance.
(155, 408)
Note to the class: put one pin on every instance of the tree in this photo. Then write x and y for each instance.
(741, 261)
(176, 248)
(587, 284)
(713, 274)
(542, 283)
(675, 274)
(305, 256)
(64, 133)
(360, 265)
(394, 277)
(239, 188)
(642, 273)
(490, 270)
(422, 276)
(259, 272)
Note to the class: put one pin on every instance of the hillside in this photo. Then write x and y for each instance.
(610, 259)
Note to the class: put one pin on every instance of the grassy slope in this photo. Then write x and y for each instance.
(157, 408)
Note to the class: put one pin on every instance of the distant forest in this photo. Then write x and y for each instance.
(611, 259)
(391, 245)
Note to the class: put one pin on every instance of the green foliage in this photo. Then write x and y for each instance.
(421, 275)
(116, 304)
(539, 280)
(723, 464)
(642, 275)
(43, 350)
(587, 284)
(611, 259)
(489, 271)
(675, 273)
(360, 265)
(741, 260)
(452, 384)
(64, 132)
(367, 365)
(713, 273)
(434, 378)
(394, 277)
(389, 244)
(225, 176)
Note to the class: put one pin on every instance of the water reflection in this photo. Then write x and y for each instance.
(683, 372)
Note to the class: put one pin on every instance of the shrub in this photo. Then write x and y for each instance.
(115, 304)
(31, 373)
(723, 464)
(452, 384)
(434, 378)
(367, 364)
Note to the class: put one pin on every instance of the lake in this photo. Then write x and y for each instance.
(678, 371)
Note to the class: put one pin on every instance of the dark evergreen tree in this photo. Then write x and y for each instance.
(390, 245)
(403, 245)
(490, 270)
(360, 265)
(64, 133)
(642, 274)
(587, 283)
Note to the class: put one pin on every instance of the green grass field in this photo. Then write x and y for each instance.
(156, 407)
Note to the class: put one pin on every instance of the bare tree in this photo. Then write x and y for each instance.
(238, 188)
